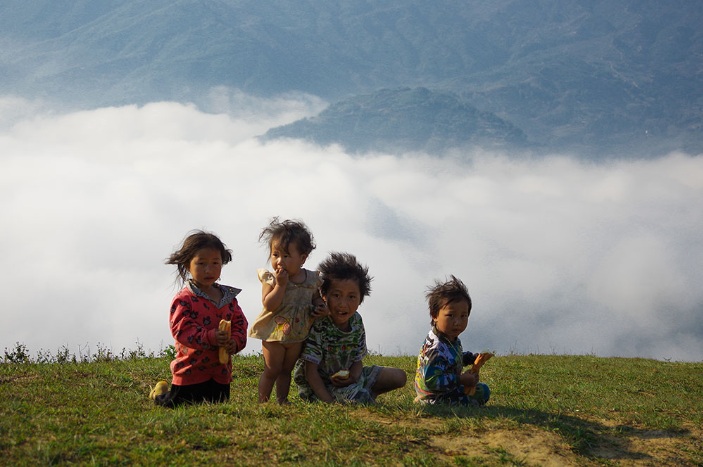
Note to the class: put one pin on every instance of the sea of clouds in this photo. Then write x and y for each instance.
(560, 255)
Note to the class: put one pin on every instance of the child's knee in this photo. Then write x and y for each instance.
(402, 378)
(396, 377)
(272, 370)
(483, 393)
(271, 375)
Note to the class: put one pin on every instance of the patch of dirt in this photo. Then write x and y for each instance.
(530, 445)
(652, 447)
(526, 446)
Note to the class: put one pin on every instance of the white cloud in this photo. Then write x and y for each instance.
(559, 256)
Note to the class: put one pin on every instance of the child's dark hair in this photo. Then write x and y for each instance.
(343, 266)
(195, 241)
(287, 232)
(444, 293)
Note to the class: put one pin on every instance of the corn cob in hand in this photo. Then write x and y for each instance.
(478, 363)
(224, 326)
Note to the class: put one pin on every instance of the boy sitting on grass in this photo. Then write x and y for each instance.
(439, 377)
(330, 367)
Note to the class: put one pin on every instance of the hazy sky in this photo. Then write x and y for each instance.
(560, 256)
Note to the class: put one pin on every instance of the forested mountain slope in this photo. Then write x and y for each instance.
(613, 76)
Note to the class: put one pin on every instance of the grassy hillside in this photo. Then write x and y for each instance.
(545, 410)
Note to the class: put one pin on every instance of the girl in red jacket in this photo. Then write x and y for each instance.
(196, 311)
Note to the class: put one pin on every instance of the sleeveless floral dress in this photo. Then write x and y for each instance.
(291, 321)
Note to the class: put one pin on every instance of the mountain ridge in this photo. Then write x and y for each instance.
(402, 120)
(605, 76)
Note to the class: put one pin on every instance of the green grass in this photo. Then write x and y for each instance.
(578, 410)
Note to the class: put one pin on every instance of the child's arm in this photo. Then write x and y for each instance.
(468, 379)
(272, 295)
(237, 338)
(468, 358)
(355, 370)
(316, 384)
(438, 374)
(188, 331)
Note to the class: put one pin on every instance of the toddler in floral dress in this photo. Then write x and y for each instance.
(288, 308)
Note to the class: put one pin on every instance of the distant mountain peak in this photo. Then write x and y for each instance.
(401, 120)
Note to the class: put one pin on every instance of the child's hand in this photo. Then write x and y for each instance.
(469, 379)
(281, 277)
(319, 310)
(223, 338)
(341, 379)
(224, 333)
(231, 347)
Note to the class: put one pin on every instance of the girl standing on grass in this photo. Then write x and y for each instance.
(288, 309)
(196, 311)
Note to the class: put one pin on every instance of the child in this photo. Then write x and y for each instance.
(196, 311)
(287, 296)
(330, 368)
(439, 377)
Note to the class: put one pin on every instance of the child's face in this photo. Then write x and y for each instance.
(452, 319)
(205, 267)
(291, 261)
(343, 298)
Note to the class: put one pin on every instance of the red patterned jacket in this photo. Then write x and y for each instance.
(194, 322)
